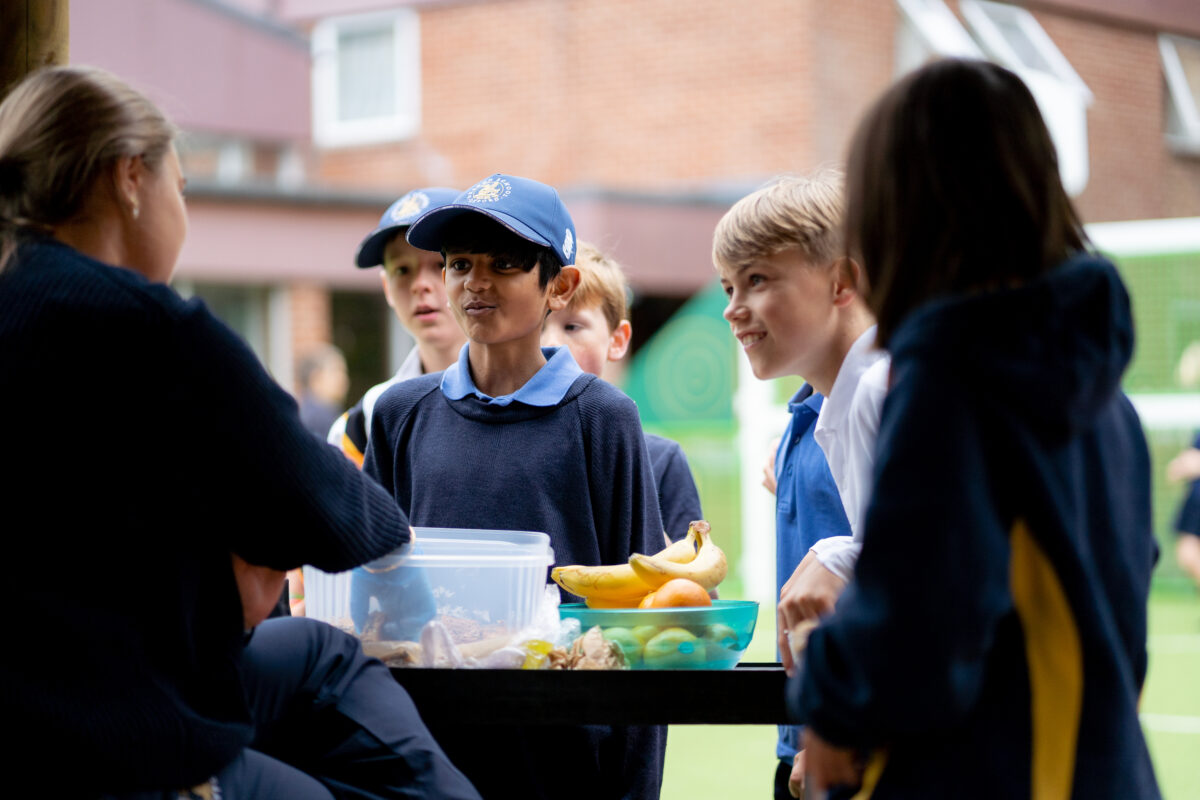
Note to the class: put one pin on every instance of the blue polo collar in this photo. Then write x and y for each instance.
(807, 399)
(546, 388)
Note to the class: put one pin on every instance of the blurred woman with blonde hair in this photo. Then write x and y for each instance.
(141, 668)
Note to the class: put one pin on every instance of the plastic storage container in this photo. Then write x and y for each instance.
(707, 637)
(479, 584)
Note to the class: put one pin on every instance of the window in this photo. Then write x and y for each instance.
(929, 29)
(366, 78)
(1012, 37)
(1181, 68)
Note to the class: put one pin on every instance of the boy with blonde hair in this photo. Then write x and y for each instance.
(796, 307)
(595, 328)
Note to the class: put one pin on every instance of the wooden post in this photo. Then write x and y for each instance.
(33, 34)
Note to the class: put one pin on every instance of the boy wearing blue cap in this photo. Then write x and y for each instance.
(412, 284)
(517, 436)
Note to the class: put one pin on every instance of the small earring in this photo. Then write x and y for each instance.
(135, 210)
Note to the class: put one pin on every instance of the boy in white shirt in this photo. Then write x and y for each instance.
(796, 308)
(846, 430)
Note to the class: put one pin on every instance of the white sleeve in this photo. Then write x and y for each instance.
(862, 429)
(838, 554)
(336, 431)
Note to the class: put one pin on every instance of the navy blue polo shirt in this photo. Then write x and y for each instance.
(807, 507)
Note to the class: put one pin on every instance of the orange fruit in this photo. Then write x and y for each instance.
(678, 593)
(647, 601)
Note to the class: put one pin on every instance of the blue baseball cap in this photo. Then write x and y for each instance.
(530, 209)
(399, 216)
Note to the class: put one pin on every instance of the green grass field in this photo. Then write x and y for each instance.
(739, 761)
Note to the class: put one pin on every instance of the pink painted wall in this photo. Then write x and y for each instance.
(260, 243)
(207, 68)
(663, 248)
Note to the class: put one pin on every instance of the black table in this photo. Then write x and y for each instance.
(749, 694)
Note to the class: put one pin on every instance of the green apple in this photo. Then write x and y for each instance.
(631, 646)
(674, 648)
(644, 633)
(722, 634)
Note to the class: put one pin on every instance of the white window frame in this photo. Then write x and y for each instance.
(1061, 94)
(938, 29)
(1180, 95)
(977, 14)
(328, 129)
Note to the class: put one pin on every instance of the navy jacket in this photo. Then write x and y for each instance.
(994, 637)
(145, 443)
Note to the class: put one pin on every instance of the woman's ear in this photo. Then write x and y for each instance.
(618, 340)
(563, 287)
(128, 177)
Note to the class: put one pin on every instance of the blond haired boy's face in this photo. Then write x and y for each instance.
(585, 332)
(412, 284)
(781, 310)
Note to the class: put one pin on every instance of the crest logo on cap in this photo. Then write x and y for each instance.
(568, 244)
(410, 205)
(489, 191)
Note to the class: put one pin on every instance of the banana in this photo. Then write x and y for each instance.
(616, 585)
(684, 550)
(616, 582)
(708, 568)
(604, 602)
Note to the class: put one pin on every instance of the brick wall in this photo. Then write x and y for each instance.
(633, 94)
(662, 96)
(312, 318)
(1133, 174)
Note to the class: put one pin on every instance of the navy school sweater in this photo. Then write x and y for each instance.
(145, 444)
(678, 499)
(579, 471)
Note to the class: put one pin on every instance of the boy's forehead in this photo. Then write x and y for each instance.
(789, 258)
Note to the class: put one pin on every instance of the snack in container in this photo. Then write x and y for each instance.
(674, 638)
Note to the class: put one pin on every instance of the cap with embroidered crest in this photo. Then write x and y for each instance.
(399, 216)
(528, 208)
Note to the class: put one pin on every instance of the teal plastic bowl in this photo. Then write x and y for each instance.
(674, 638)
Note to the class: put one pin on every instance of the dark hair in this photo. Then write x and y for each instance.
(60, 129)
(953, 186)
(317, 359)
(477, 233)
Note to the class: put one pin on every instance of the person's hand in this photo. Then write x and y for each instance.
(796, 779)
(259, 588)
(769, 467)
(1185, 466)
(1187, 554)
(827, 766)
(808, 595)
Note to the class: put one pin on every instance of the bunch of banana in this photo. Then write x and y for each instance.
(624, 585)
(618, 586)
(708, 568)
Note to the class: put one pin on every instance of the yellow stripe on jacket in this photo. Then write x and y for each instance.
(1055, 660)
